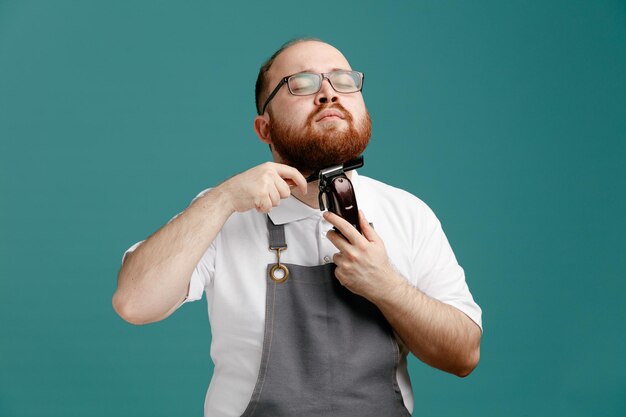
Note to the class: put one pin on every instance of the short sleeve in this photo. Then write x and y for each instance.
(205, 270)
(202, 274)
(439, 274)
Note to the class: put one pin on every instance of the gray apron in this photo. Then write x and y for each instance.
(326, 350)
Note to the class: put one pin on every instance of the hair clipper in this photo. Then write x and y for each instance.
(336, 191)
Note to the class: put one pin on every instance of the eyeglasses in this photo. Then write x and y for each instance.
(307, 83)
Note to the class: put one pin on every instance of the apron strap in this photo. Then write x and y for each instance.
(277, 235)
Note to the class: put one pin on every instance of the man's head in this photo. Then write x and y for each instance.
(312, 131)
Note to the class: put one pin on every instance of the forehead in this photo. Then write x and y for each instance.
(307, 56)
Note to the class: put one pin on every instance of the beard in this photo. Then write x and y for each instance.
(317, 147)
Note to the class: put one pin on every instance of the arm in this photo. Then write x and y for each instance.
(436, 333)
(153, 280)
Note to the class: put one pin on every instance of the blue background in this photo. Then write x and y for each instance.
(507, 118)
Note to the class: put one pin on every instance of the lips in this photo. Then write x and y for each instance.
(328, 114)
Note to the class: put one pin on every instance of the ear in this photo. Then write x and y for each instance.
(262, 128)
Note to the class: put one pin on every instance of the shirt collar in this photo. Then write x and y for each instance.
(291, 209)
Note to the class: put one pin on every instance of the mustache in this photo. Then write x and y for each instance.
(335, 106)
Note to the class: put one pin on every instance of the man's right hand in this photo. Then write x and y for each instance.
(262, 187)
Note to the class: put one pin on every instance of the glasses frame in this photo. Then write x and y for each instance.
(322, 75)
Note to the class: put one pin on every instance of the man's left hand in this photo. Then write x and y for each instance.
(362, 261)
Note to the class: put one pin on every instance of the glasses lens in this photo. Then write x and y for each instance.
(304, 84)
(345, 81)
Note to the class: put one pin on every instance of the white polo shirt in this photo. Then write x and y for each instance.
(232, 274)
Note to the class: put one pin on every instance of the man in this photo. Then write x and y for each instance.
(307, 321)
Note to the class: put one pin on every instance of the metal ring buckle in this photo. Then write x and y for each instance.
(273, 273)
(278, 266)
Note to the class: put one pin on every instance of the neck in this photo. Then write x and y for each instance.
(311, 197)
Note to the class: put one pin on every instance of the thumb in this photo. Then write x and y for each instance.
(368, 231)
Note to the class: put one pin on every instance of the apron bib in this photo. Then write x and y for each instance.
(326, 351)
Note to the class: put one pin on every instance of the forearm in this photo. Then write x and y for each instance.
(154, 279)
(436, 333)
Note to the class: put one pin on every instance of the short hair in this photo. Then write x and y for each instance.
(261, 80)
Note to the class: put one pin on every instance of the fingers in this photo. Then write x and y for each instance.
(262, 187)
(351, 234)
(274, 195)
(270, 198)
(282, 187)
(338, 240)
(290, 173)
(368, 231)
(264, 204)
(276, 187)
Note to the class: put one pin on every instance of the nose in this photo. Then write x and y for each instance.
(327, 94)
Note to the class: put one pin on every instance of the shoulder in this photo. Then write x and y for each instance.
(379, 193)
